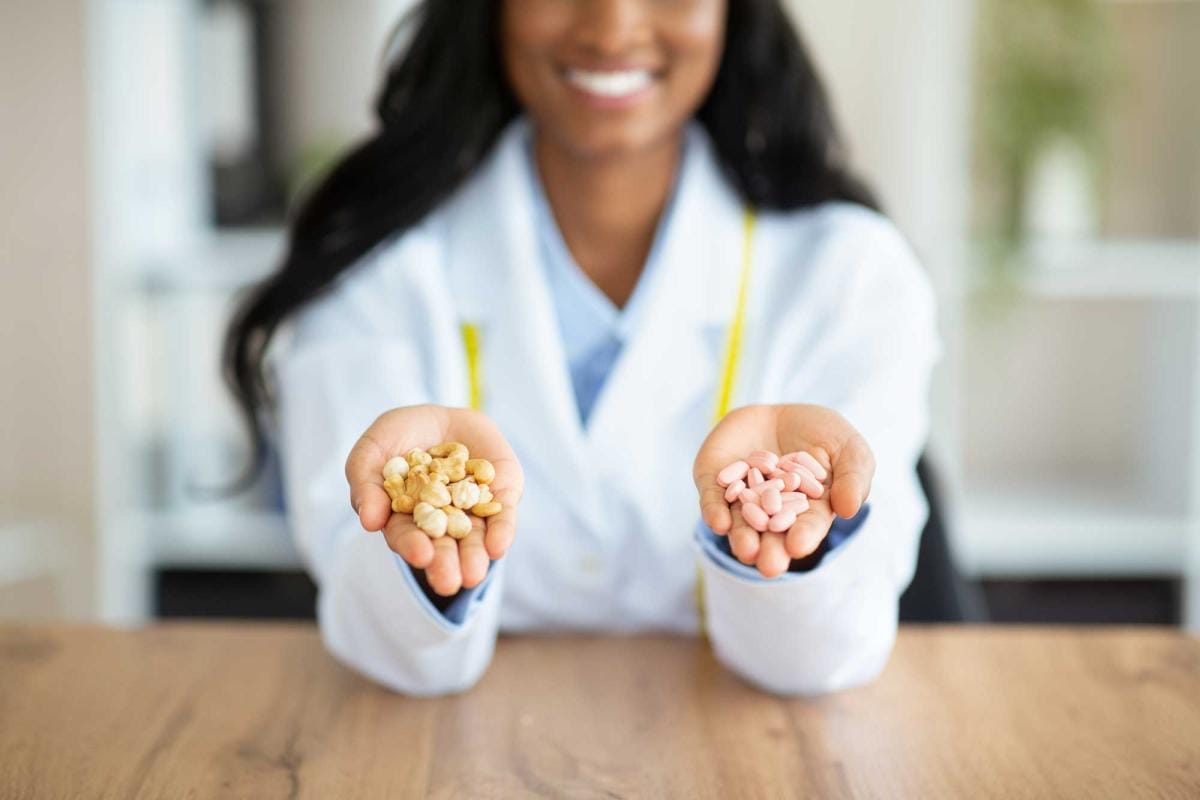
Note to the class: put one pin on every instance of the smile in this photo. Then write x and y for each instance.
(613, 84)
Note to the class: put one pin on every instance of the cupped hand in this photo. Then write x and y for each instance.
(449, 565)
(783, 429)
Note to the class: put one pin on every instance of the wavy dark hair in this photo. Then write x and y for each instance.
(444, 104)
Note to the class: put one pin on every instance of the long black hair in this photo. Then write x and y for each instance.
(444, 104)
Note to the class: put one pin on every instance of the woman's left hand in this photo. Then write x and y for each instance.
(783, 429)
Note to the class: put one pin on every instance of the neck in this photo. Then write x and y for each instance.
(608, 209)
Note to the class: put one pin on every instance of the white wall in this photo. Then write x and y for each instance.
(46, 429)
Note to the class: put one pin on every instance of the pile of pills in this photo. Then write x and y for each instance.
(439, 487)
(772, 489)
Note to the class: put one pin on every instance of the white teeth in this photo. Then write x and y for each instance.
(620, 83)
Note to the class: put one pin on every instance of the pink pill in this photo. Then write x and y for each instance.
(799, 506)
(748, 497)
(733, 472)
(809, 462)
(734, 490)
(754, 477)
(771, 501)
(774, 483)
(764, 460)
(782, 521)
(809, 484)
(791, 481)
(755, 517)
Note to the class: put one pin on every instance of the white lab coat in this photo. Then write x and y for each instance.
(839, 314)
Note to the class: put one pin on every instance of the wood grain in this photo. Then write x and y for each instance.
(206, 710)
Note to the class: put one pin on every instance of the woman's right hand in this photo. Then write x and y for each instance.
(449, 565)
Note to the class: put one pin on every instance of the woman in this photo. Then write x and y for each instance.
(597, 222)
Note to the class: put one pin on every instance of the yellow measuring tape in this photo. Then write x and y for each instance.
(733, 351)
(733, 345)
(470, 337)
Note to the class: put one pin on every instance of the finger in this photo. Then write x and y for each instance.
(743, 540)
(502, 527)
(472, 556)
(809, 529)
(364, 468)
(713, 508)
(853, 470)
(443, 572)
(507, 489)
(773, 558)
(726, 443)
(408, 541)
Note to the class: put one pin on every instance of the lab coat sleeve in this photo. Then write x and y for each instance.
(334, 378)
(834, 626)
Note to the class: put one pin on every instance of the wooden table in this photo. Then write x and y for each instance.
(252, 710)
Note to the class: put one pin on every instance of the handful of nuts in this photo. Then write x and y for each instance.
(439, 486)
(772, 489)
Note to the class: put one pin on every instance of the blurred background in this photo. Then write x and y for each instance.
(1042, 155)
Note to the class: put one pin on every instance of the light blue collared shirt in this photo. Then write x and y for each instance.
(593, 330)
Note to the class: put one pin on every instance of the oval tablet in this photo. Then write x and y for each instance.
(732, 472)
(764, 460)
(755, 517)
(809, 462)
(772, 503)
(782, 521)
(774, 483)
(808, 483)
(734, 490)
(799, 506)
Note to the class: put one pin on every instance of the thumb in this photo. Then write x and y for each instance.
(367, 495)
(713, 508)
(853, 470)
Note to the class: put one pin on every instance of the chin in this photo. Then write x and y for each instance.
(617, 139)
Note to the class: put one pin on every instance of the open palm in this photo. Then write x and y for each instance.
(782, 429)
(449, 565)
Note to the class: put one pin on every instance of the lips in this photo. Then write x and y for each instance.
(610, 84)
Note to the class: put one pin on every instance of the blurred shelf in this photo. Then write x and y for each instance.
(219, 538)
(1049, 529)
(1113, 268)
(229, 260)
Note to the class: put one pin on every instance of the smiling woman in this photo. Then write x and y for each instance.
(594, 222)
(446, 101)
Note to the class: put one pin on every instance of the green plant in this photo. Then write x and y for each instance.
(1045, 71)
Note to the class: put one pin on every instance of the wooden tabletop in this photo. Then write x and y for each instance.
(251, 710)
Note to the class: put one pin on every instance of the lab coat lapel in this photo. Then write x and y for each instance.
(495, 270)
(672, 360)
